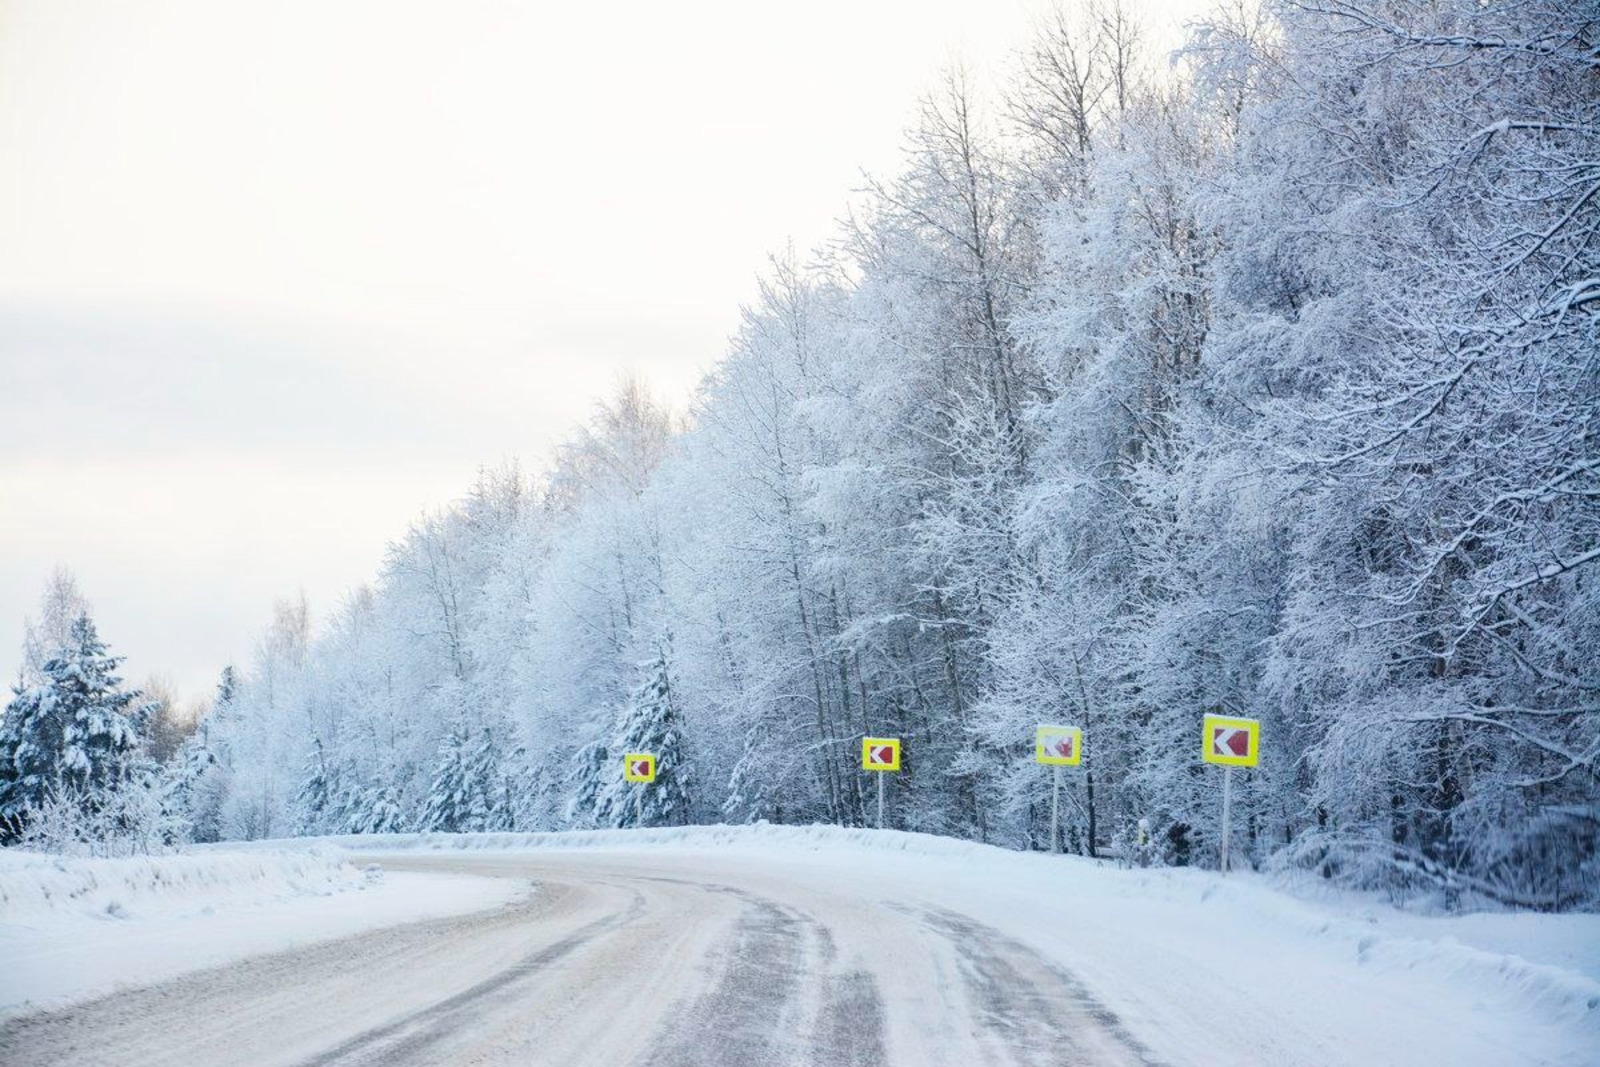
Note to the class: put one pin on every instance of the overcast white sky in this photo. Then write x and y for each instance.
(276, 275)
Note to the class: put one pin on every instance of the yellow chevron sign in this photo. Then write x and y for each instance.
(1229, 741)
(1060, 746)
(880, 753)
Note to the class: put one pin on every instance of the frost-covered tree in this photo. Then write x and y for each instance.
(589, 782)
(73, 734)
(192, 774)
(1263, 379)
(314, 802)
(377, 811)
(1430, 302)
(489, 769)
(651, 724)
(43, 636)
(465, 790)
(599, 595)
(201, 771)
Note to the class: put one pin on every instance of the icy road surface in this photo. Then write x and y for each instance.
(616, 959)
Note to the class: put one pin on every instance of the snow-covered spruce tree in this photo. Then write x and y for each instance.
(491, 803)
(525, 795)
(77, 732)
(589, 787)
(189, 773)
(455, 798)
(378, 811)
(314, 801)
(650, 724)
(200, 771)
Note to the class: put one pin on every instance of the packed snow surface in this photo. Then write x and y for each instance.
(779, 943)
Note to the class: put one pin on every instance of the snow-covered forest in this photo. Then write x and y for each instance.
(1263, 379)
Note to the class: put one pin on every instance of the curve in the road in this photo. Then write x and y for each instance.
(616, 959)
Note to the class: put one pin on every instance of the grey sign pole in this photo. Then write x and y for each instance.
(1055, 811)
(1227, 815)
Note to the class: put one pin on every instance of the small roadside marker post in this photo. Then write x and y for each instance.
(880, 754)
(1057, 747)
(1230, 742)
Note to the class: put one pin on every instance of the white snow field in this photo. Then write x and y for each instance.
(806, 946)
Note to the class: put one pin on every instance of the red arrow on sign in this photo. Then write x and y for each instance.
(641, 767)
(1230, 741)
(1064, 747)
(882, 753)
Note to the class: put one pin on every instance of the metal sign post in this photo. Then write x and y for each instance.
(881, 754)
(1055, 812)
(1227, 815)
(1057, 747)
(1229, 742)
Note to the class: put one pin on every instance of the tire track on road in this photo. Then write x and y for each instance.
(409, 1039)
(763, 1006)
(1036, 1010)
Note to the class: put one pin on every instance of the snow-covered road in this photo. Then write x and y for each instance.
(756, 946)
(616, 959)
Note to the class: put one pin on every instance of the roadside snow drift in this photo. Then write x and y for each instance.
(36, 887)
(73, 928)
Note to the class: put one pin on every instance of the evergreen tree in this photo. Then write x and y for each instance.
(379, 812)
(591, 796)
(227, 692)
(317, 791)
(650, 725)
(489, 808)
(189, 774)
(75, 733)
(453, 797)
(204, 763)
(521, 793)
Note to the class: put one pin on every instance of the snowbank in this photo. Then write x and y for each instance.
(35, 886)
(72, 928)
